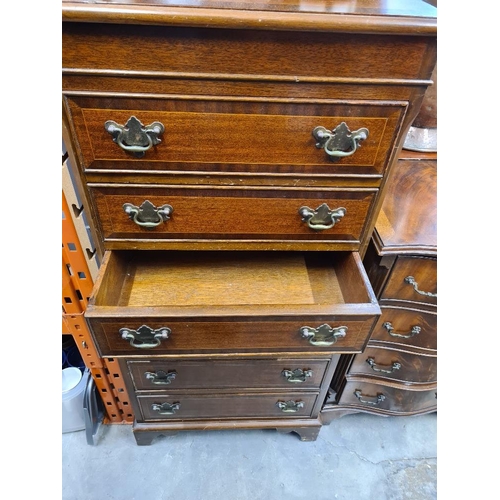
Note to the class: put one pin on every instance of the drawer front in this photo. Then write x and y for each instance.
(278, 405)
(227, 336)
(228, 374)
(233, 135)
(413, 279)
(206, 52)
(208, 213)
(382, 397)
(406, 327)
(395, 365)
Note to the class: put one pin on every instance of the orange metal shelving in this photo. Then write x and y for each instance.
(79, 270)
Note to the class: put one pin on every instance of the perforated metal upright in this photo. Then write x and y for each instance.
(79, 270)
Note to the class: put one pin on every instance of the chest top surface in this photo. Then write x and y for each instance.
(394, 16)
(407, 222)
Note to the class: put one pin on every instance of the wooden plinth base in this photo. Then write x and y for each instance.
(144, 433)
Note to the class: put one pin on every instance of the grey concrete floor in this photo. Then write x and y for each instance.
(356, 457)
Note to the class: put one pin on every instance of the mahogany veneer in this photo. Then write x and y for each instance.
(397, 372)
(249, 126)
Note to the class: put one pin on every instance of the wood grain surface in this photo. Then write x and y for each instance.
(415, 368)
(231, 405)
(410, 399)
(216, 135)
(219, 212)
(407, 222)
(376, 16)
(402, 321)
(423, 269)
(244, 374)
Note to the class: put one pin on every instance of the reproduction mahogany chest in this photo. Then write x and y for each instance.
(234, 158)
(397, 372)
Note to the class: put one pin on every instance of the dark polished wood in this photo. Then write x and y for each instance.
(412, 191)
(397, 401)
(227, 374)
(233, 405)
(307, 429)
(372, 16)
(395, 364)
(404, 244)
(423, 270)
(239, 87)
(402, 320)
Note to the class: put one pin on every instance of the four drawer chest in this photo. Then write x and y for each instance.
(234, 158)
(397, 372)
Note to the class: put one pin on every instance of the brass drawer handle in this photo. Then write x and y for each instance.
(147, 215)
(166, 408)
(134, 137)
(395, 366)
(415, 330)
(323, 217)
(324, 335)
(379, 398)
(290, 406)
(297, 375)
(145, 337)
(340, 141)
(160, 377)
(411, 281)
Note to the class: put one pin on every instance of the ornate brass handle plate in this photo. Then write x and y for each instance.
(395, 366)
(378, 399)
(415, 330)
(147, 215)
(323, 217)
(134, 137)
(324, 335)
(290, 406)
(340, 141)
(297, 375)
(145, 337)
(160, 377)
(411, 281)
(166, 408)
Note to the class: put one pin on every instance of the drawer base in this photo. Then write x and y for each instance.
(399, 399)
(333, 411)
(307, 429)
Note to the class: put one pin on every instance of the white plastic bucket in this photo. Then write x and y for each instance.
(73, 417)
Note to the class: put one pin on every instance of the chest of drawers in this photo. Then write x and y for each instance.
(234, 159)
(397, 372)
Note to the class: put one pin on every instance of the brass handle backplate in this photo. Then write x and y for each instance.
(395, 366)
(147, 215)
(297, 375)
(134, 137)
(160, 377)
(378, 399)
(323, 217)
(339, 142)
(324, 335)
(290, 406)
(166, 408)
(145, 337)
(415, 330)
(411, 281)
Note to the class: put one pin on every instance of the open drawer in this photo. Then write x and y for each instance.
(168, 302)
